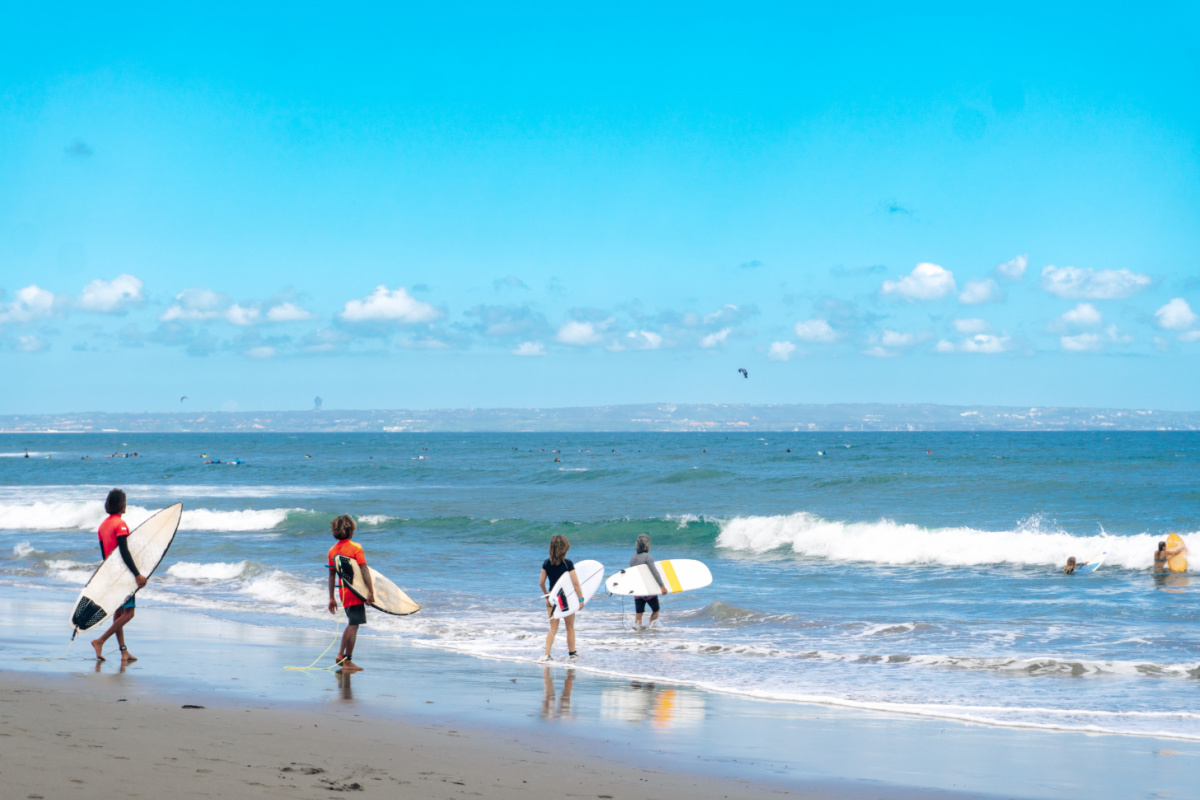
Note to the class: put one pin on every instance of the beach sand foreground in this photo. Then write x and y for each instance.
(67, 737)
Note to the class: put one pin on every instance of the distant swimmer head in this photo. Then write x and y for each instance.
(115, 502)
(643, 544)
(343, 527)
(558, 548)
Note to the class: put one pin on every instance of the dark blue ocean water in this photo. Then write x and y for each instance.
(919, 573)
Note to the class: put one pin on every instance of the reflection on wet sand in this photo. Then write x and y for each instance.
(345, 690)
(645, 702)
(560, 709)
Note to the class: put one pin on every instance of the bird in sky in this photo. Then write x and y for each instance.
(744, 373)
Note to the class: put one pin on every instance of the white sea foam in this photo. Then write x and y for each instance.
(375, 519)
(216, 571)
(22, 549)
(22, 454)
(40, 516)
(71, 571)
(887, 542)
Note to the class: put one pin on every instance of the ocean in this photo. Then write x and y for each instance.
(909, 573)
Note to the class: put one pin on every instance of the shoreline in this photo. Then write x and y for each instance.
(697, 737)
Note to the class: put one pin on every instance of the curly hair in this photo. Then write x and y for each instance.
(115, 502)
(343, 527)
(558, 549)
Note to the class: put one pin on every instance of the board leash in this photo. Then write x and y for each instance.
(336, 632)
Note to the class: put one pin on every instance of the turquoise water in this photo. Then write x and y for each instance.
(915, 573)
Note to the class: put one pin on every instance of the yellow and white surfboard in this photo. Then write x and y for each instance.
(678, 574)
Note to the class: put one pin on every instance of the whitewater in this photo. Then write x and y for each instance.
(912, 574)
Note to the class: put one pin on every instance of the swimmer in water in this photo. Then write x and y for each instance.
(1072, 566)
(1160, 557)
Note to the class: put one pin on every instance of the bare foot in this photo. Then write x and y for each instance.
(98, 646)
(127, 657)
(350, 666)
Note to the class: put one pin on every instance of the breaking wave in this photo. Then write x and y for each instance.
(1032, 542)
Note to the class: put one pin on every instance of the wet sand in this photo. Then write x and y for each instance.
(67, 736)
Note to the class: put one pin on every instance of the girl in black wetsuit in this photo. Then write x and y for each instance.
(554, 568)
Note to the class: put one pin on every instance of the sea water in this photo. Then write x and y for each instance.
(912, 573)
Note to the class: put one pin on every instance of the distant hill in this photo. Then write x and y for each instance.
(647, 417)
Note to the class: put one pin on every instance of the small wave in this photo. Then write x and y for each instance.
(31, 454)
(22, 549)
(88, 516)
(375, 519)
(216, 571)
(69, 571)
(695, 474)
(725, 614)
(887, 542)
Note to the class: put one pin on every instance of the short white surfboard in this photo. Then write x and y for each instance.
(389, 598)
(680, 575)
(112, 584)
(562, 595)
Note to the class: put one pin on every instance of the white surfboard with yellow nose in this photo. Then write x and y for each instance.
(679, 575)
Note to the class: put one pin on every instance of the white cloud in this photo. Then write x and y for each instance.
(530, 349)
(1012, 270)
(980, 290)
(241, 315)
(985, 343)
(892, 338)
(1084, 315)
(969, 326)
(289, 312)
(261, 352)
(111, 297)
(925, 282)
(781, 351)
(30, 344)
(580, 334)
(1190, 336)
(890, 343)
(1089, 284)
(30, 303)
(644, 340)
(193, 305)
(1082, 343)
(815, 330)
(1115, 334)
(1176, 315)
(715, 339)
(384, 305)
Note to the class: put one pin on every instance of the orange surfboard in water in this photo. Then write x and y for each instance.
(1176, 563)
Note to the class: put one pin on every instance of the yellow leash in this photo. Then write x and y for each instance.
(337, 632)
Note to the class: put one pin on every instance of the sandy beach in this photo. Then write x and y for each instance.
(72, 736)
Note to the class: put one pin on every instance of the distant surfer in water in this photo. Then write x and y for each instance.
(1072, 566)
(114, 535)
(356, 610)
(642, 556)
(554, 568)
(1160, 557)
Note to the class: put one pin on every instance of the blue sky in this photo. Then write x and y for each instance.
(472, 206)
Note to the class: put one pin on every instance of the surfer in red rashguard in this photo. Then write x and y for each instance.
(114, 535)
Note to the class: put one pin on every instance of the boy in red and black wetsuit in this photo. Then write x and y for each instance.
(114, 535)
(356, 610)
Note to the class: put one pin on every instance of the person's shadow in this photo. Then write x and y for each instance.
(557, 707)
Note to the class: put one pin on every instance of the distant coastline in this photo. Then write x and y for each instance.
(650, 417)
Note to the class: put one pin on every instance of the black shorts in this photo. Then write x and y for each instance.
(640, 603)
(356, 615)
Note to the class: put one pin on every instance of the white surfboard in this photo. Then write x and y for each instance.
(1091, 567)
(389, 598)
(562, 595)
(112, 584)
(680, 575)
